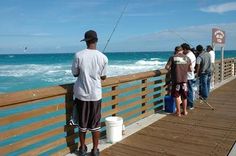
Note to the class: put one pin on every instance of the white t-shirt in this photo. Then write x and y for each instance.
(89, 65)
(212, 53)
(191, 56)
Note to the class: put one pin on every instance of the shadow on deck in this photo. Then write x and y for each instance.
(202, 132)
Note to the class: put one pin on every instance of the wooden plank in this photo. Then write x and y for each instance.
(25, 104)
(33, 113)
(65, 150)
(132, 77)
(28, 141)
(133, 120)
(122, 99)
(109, 113)
(72, 148)
(31, 127)
(32, 95)
(52, 145)
(125, 107)
(135, 111)
(130, 88)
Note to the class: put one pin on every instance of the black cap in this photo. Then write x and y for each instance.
(90, 35)
(199, 48)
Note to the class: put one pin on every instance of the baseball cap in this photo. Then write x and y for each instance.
(89, 35)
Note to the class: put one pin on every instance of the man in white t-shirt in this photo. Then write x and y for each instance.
(90, 66)
(210, 50)
(190, 75)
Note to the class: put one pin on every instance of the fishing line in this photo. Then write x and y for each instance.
(117, 22)
(181, 37)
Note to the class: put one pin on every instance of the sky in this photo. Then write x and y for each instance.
(57, 26)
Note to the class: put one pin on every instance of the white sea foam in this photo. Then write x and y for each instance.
(61, 73)
(26, 70)
(138, 66)
(149, 63)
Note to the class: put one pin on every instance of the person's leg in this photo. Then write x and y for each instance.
(184, 94)
(83, 116)
(82, 136)
(177, 102)
(95, 125)
(175, 93)
(203, 86)
(96, 136)
(190, 93)
(184, 103)
(208, 82)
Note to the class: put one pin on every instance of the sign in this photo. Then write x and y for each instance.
(218, 36)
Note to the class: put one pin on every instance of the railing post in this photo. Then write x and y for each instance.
(114, 97)
(144, 82)
(234, 65)
(222, 64)
(162, 93)
(69, 108)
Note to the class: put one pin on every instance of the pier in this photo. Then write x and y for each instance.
(35, 122)
(202, 132)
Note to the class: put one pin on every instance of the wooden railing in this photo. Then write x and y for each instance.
(229, 69)
(35, 122)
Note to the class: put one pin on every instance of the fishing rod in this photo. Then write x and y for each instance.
(180, 37)
(117, 22)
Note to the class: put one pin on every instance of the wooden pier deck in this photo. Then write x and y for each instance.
(202, 132)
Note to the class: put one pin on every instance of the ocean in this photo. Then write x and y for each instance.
(29, 71)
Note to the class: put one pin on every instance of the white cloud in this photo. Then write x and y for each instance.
(221, 8)
(168, 39)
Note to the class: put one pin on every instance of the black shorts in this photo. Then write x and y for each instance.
(89, 113)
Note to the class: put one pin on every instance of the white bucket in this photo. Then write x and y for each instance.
(114, 127)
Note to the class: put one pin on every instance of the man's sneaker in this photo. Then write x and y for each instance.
(191, 108)
(83, 152)
(95, 153)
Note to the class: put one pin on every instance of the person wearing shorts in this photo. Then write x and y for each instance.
(179, 65)
(90, 66)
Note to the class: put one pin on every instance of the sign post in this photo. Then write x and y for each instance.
(218, 38)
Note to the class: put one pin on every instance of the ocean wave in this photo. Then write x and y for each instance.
(27, 70)
(149, 62)
(61, 73)
(115, 70)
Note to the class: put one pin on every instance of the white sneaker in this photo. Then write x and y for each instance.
(191, 108)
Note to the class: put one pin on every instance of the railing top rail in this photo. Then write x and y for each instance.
(47, 92)
(132, 77)
(226, 60)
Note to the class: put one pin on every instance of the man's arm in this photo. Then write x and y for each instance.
(104, 70)
(168, 65)
(198, 62)
(74, 68)
(190, 67)
(197, 69)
